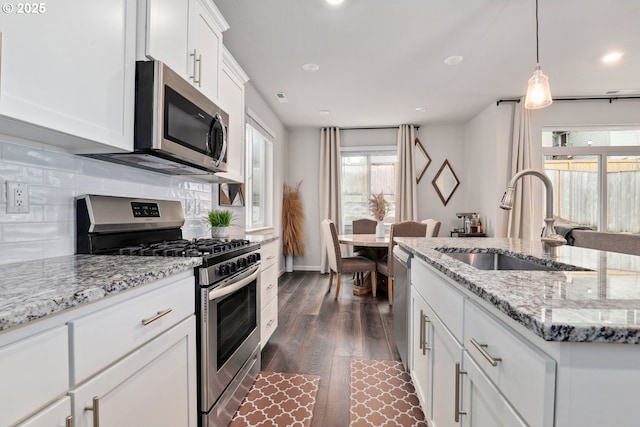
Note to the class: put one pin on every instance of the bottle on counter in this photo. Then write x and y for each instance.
(479, 225)
(467, 226)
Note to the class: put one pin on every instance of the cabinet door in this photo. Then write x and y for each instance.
(71, 68)
(483, 403)
(420, 345)
(232, 80)
(166, 39)
(207, 45)
(55, 415)
(446, 353)
(155, 386)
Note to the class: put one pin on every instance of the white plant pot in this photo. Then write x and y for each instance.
(219, 232)
(380, 229)
(288, 263)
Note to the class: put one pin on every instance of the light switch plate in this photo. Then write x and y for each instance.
(17, 197)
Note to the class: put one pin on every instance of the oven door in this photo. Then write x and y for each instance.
(230, 333)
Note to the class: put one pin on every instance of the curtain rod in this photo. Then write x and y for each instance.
(594, 98)
(374, 127)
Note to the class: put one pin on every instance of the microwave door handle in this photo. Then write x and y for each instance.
(223, 151)
(224, 291)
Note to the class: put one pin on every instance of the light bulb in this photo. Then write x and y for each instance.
(538, 91)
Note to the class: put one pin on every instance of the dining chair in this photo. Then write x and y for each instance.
(362, 226)
(340, 264)
(433, 227)
(400, 229)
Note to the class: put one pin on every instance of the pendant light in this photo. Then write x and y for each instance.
(538, 92)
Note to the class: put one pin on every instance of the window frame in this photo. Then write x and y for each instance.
(602, 152)
(254, 124)
(368, 151)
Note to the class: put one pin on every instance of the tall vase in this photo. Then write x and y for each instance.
(380, 229)
(288, 263)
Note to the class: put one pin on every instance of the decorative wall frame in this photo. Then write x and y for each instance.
(445, 182)
(231, 195)
(422, 161)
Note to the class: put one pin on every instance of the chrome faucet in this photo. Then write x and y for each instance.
(550, 240)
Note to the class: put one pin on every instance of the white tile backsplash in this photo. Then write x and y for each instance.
(55, 178)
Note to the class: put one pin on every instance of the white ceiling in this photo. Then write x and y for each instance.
(380, 59)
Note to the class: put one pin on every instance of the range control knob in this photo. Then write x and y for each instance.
(224, 269)
(242, 262)
(252, 258)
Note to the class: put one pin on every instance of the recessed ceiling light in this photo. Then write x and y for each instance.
(612, 57)
(310, 68)
(334, 2)
(453, 60)
(325, 112)
(420, 109)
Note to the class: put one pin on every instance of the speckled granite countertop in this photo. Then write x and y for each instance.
(39, 288)
(600, 306)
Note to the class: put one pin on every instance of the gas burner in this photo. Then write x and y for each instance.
(184, 248)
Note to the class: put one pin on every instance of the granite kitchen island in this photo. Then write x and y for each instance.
(550, 348)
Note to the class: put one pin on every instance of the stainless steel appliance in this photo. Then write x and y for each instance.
(401, 302)
(227, 293)
(178, 130)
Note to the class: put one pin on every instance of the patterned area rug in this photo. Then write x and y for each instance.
(278, 400)
(382, 395)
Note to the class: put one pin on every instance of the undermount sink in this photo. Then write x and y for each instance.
(498, 261)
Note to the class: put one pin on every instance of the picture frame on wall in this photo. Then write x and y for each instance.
(231, 195)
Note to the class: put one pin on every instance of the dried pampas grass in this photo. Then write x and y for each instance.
(378, 206)
(292, 221)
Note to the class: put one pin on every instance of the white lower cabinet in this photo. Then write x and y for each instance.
(57, 414)
(268, 291)
(420, 354)
(482, 403)
(34, 372)
(152, 387)
(476, 371)
(446, 355)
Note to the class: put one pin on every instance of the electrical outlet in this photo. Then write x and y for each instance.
(17, 197)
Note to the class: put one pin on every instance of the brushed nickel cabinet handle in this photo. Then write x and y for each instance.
(270, 257)
(199, 61)
(270, 322)
(421, 344)
(68, 422)
(96, 411)
(458, 412)
(158, 315)
(425, 343)
(270, 286)
(195, 63)
(482, 349)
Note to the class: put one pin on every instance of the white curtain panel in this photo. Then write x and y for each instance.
(330, 171)
(406, 200)
(522, 222)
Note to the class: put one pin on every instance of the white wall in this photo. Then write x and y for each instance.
(442, 143)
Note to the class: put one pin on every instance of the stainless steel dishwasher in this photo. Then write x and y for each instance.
(401, 302)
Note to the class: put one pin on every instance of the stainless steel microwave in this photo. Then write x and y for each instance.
(177, 130)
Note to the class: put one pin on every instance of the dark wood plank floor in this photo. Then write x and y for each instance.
(319, 335)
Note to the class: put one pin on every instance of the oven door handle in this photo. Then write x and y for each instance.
(233, 286)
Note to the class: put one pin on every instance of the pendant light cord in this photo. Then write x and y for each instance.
(537, 42)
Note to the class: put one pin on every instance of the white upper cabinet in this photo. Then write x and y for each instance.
(187, 36)
(232, 81)
(69, 68)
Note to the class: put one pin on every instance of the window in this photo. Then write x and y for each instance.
(367, 171)
(596, 177)
(259, 179)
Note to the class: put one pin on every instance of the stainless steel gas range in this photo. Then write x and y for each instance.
(227, 293)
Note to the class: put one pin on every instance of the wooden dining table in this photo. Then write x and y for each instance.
(377, 248)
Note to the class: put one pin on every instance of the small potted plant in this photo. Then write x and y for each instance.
(220, 220)
(378, 207)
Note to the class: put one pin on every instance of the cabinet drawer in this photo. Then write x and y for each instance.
(446, 302)
(33, 372)
(105, 336)
(268, 254)
(524, 374)
(268, 286)
(268, 321)
(53, 415)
